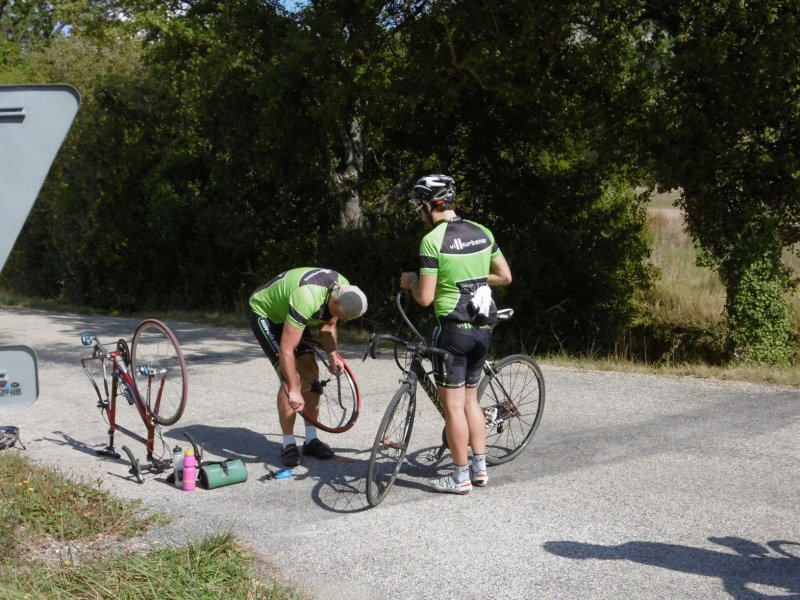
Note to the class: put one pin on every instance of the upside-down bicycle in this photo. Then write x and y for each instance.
(511, 394)
(150, 375)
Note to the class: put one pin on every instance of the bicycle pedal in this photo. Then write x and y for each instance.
(429, 457)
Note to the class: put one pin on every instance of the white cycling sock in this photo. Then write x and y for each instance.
(478, 462)
(460, 473)
(288, 439)
(311, 433)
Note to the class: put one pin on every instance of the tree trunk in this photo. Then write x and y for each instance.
(347, 181)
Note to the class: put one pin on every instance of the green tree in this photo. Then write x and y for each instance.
(726, 129)
(27, 26)
(528, 110)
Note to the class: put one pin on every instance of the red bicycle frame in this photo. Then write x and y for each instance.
(120, 374)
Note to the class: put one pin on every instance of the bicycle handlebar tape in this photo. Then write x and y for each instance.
(352, 300)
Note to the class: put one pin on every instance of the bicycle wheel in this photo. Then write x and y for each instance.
(339, 401)
(8, 436)
(159, 371)
(391, 444)
(512, 398)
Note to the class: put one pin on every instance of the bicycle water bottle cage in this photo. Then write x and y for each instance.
(87, 339)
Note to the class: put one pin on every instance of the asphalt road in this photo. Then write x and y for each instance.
(634, 486)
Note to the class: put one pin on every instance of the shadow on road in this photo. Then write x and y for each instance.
(751, 572)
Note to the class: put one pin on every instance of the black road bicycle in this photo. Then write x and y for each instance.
(511, 394)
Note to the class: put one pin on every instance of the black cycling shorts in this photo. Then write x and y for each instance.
(469, 347)
(269, 335)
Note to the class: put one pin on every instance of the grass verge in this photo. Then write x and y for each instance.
(39, 508)
(784, 376)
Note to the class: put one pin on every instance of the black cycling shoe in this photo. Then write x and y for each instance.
(318, 449)
(290, 455)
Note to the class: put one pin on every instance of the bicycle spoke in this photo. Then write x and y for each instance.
(339, 402)
(390, 446)
(512, 398)
(159, 370)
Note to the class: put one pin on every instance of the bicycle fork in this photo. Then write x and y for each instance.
(110, 407)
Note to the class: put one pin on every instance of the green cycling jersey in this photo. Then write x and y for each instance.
(297, 296)
(459, 253)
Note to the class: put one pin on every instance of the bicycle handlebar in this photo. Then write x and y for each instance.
(410, 345)
(419, 346)
(89, 339)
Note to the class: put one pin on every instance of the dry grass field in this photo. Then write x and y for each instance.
(689, 297)
(687, 292)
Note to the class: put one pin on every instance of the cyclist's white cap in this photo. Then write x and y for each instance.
(352, 300)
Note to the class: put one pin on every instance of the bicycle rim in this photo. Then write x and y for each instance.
(390, 446)
(8, 436)
(339, 401)
(512, 398)
(159, 369)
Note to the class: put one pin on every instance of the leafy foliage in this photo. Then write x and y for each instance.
(726, 129)
(221, 142)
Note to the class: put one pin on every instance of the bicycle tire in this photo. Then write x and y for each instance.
(9, 436)
(391, 444)
(512, 398)
(159, 370)
(339, 401)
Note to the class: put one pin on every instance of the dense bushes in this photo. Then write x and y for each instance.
(222, 143)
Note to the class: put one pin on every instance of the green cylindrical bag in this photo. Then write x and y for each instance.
(220, 474)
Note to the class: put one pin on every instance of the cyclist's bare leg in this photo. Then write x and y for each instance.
(476, 421)
(455, 422)
(308, 371)
(286, 414)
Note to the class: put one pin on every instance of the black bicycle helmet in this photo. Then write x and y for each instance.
(440, 189)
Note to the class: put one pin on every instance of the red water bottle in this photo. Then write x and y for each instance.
(189, 471)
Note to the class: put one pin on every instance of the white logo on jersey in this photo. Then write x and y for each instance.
(313, 273)
(459, 245)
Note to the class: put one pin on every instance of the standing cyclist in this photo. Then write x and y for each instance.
(279, 313)
(459, 260)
